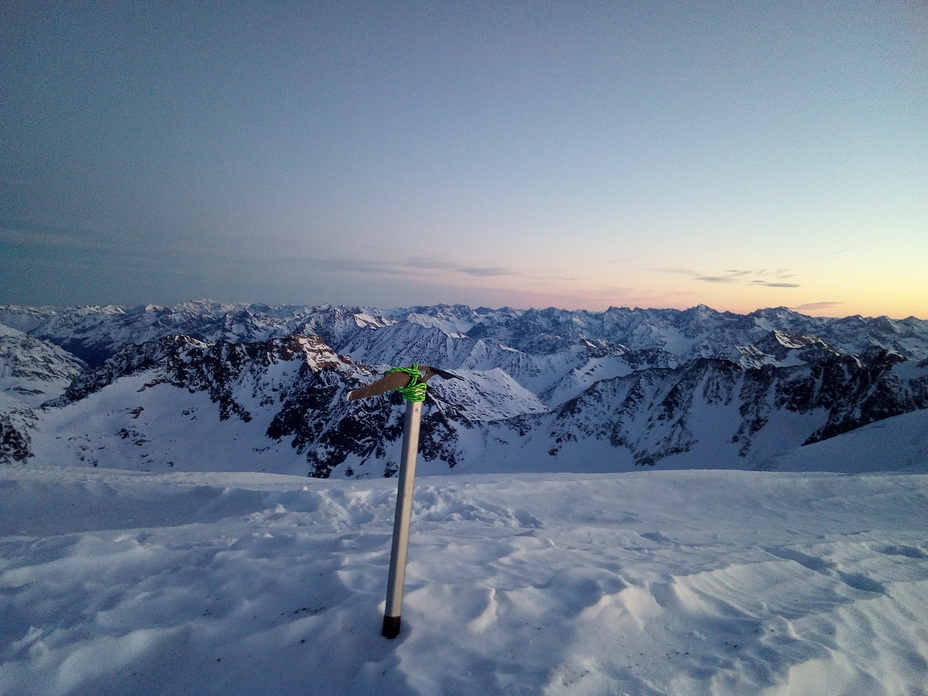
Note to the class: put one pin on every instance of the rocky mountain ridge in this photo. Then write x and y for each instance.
(96, 333)
(613, 389)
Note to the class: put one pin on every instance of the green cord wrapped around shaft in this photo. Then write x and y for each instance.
(415, 390)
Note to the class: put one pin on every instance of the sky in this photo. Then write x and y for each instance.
(524, 154)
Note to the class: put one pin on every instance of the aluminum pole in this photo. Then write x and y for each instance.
(407, 475)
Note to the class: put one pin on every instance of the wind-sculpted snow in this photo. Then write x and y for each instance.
(654, 583)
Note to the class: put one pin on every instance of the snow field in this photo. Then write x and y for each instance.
(699, 582)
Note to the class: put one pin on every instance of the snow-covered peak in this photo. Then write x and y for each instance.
(33, 371)
(95, 333)
(8, 331)
(365, 320)
(789, 340)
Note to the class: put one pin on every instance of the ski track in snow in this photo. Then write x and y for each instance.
(698, 582)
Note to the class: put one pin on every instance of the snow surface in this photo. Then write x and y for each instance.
(657, 582)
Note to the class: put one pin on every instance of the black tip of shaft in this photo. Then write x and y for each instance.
(391, 627)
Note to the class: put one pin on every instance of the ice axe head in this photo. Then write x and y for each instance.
(398, 380)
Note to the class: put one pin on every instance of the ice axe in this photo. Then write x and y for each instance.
(410, 382)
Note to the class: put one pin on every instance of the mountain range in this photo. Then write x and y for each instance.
(212, 386)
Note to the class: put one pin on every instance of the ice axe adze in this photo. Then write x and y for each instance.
(399, 380)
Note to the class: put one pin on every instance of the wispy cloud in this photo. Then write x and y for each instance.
(483, 271)
(768, 284)
(816, 306)
(770, 278)
(716, 279)
(433, 264)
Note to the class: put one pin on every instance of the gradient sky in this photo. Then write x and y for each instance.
(530, 154)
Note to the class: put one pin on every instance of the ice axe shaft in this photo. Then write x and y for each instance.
(401, 520)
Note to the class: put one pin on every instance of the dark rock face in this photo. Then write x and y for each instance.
(652, 412)
(868, 391)
(14, 436)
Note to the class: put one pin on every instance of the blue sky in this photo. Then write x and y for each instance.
(570, 154)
